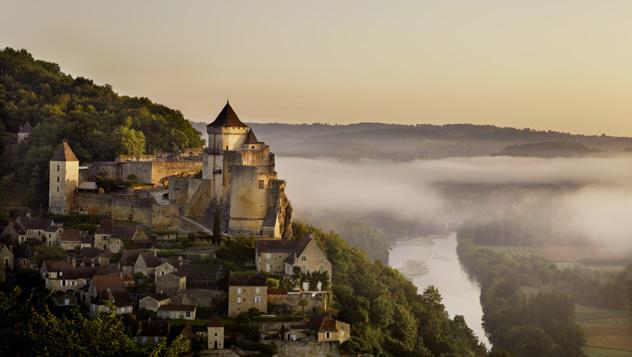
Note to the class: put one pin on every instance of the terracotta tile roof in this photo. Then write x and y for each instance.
(70, 235)
(227, 118)
(247, 280)
(112, 281)
(52, 265)
(64, 153)
(322, 322)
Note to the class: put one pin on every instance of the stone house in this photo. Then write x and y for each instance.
(70, 239)
(39, 229)
(24, 131)
(138, 261)
(108, 287)
(284, 255)
(215, 334)
(163, 269)
(328, 329)
(202, 276)
(68, 279)
(245, 292)
(6, 257)
(177, 312)
(110, 235)
(153, 302)
(170, 284)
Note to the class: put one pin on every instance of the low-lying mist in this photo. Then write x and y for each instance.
(519, 200)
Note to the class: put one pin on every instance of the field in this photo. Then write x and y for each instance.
(605, 352)
(605, 330)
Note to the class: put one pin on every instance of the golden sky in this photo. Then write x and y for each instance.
(552, 64)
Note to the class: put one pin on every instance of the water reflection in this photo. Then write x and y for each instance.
(433, 261)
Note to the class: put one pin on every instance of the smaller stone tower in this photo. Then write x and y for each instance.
(215, 332)
(64, 179)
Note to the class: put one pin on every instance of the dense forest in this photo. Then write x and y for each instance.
(388, 315)
(97, 122)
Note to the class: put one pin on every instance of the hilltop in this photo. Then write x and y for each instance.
(421, 141)
(100, 123)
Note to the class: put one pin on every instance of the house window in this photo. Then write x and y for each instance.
(66, 301)
(239, 299)
(188, 314)
(303, 257)
(238, 291)
(327, 334)
(268, 255)
(257, 299)
(257, 290)
(261, 182)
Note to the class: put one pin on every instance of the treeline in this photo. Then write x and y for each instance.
(540, 323)
(98, 123)
(29, 328)
(388, 316)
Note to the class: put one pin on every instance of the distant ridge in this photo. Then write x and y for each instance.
(425, 141)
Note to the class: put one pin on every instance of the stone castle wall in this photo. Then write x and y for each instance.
(151, 172)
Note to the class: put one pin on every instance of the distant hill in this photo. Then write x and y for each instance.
(422, 141)
(548, 149)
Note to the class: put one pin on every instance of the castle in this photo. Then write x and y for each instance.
(238, 186)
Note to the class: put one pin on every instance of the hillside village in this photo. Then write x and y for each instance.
(196, 244)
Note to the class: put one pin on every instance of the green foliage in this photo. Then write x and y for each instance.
(541, 324)
(46, 252)
(98, 123)
(387, 314)
(28, 328)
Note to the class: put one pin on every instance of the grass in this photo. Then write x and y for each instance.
(608, 331)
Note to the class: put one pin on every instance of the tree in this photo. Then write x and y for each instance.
(132, 141)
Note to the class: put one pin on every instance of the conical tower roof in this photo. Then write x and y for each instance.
(64, 153)
(251, 138)
(227, 118)
(26, 128)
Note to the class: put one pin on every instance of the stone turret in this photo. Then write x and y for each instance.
(64, 178)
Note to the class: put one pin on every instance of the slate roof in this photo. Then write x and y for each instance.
(105, 227)
(64, 153)
(322, 322)
(52, 265)
(227, 118)
(77, 273)
(120, 298)
(158, 296)
(176, 307)
(25, 128)
(26, 223)
(251, 138)
(247, 280)
(283, 245)
(90, 252)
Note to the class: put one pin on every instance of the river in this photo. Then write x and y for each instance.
(433, 260)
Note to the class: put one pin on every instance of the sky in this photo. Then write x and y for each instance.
(551, 64)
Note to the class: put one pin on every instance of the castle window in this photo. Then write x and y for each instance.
(57, 167)
(57, 188)
(261, 183)
(57, 178)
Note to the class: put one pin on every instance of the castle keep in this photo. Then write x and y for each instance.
(238, 186)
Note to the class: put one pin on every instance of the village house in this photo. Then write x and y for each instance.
(109, 287)
(90, 256)
(68, 279)
(71, 239)
(109, 236)
(170, 284)
(215, 334)
(202, 276)
(247, 291)
(328, 329)
(284, 256)
(177, 312)
(6, 257)
(139, 262)
(153, 302)
(64, 299)
(163, 269)
(24, 131)
(38, 229)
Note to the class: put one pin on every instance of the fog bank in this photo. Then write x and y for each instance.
(554, 200)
